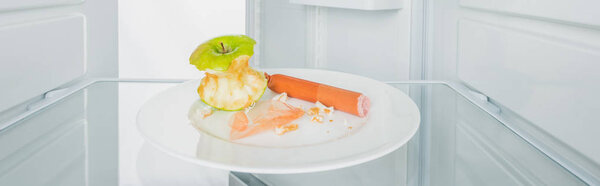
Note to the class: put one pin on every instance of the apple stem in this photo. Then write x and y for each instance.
(223, 47)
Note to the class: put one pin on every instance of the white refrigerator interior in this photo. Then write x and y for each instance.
(506, 89)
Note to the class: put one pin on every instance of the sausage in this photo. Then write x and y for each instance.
(341, 99)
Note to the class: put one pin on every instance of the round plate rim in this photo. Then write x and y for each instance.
(351, 160)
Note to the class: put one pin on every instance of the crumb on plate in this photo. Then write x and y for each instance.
(199, 113)
(317, 118)
(280, 130)
(325, 109)
(313, 111)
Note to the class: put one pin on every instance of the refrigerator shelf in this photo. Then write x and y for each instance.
(354, 4)
(89, 136)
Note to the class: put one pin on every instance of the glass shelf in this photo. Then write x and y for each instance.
(90, 137)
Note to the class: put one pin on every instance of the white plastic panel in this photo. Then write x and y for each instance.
(39, 56)
(579, 11)
(47, 149)
(536, 60)
(464, 145)
(102, 117)
(487, 153)
(41, 129)
(19, 4)
(282, 34)
(551, 80)
(57, 163)
(354, 4)
(373, 44)
(472, 158)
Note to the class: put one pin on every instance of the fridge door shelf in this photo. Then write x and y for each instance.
(88, 135)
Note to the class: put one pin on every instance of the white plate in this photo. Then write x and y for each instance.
(392, 120)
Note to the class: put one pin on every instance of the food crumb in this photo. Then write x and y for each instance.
(349, 127)
(280, 130)
(199, 112)
(325, 109)
(317, 118)
(327, 131)
(313, 111)
(330, 120)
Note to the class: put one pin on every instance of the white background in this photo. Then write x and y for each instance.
(156, 38)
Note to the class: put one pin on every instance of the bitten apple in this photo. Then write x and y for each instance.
(229, 83)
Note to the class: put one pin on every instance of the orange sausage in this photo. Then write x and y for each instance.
(341, 99)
